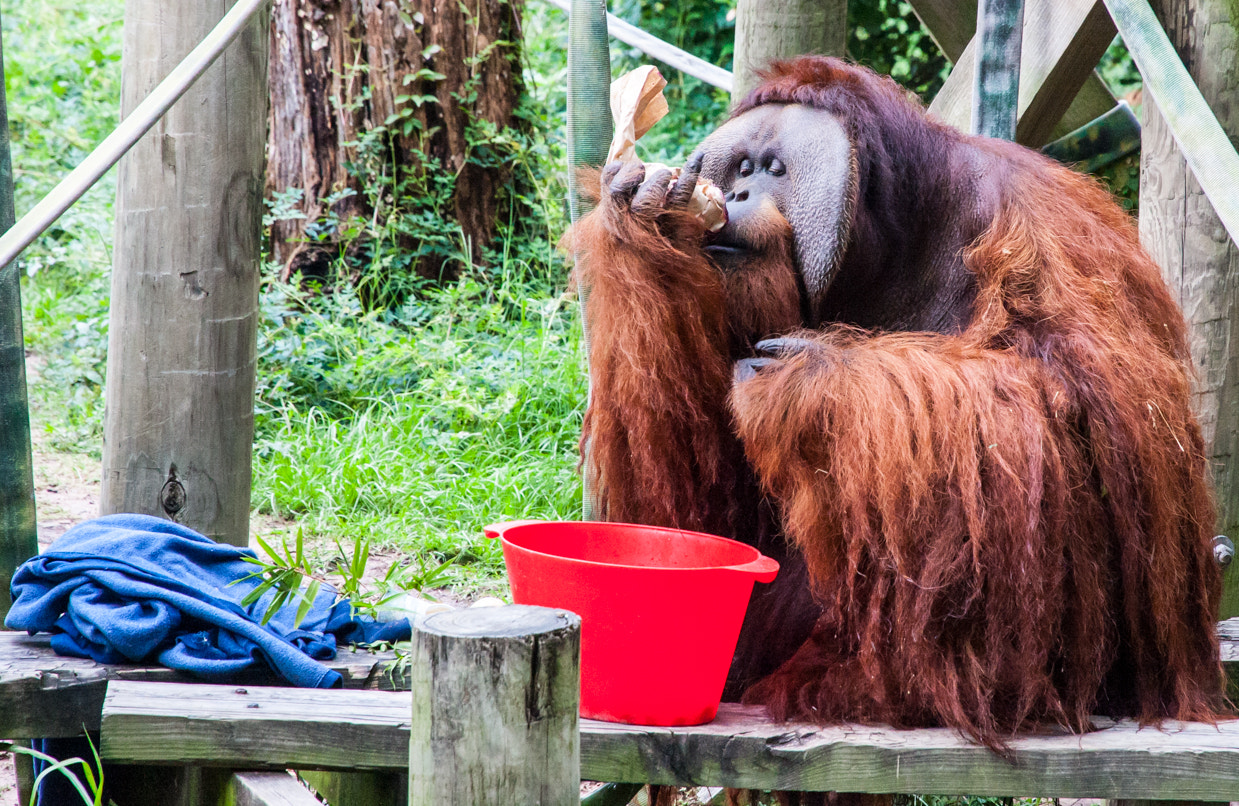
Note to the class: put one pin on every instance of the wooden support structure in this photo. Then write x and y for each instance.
(178, 428)
(495, 708)
(952, 24)
(996, 68)
(18, 540)
(1063, 40)
(779, 29)
(1199, 261)
(272, 728)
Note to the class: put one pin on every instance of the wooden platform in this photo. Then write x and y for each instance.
(257, 724)
(263, 728)
(43, 694)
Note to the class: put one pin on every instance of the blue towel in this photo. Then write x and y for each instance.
(141, 589)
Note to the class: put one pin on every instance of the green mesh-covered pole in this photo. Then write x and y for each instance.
(589, 131)
(18, 540)
(995, 98)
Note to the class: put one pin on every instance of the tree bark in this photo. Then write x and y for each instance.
(779, 29)
(1199, 261)
(437, 78)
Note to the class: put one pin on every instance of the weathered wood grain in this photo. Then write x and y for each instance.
(1184, 233)
(952, 24)
(45, 695)
(1063, 40)
(779, 29)
(178, 427)
(996, 71)
(147, 723)
(496, 698)
(269, 789)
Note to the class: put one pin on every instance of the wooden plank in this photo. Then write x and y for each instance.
(952, 24)
(996, 71)
(270, 789)
(211, 725)
(1206, 147)
(496, 695)
(1184, 233)
(179, 421)
(780, 29)
(1063, 39)
(659, 50)
(45, 695)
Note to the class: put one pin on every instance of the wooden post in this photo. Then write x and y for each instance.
(496, 694)
(996, 87)
(18, 540)
(779, 29)
(953, 22)
(178, 427)
(1199, 261)
(1062, 41)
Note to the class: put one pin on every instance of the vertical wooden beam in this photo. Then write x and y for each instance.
(178, 427)
(496, 698)
(1062, 41)
(779, 29)
(18, 540)
(996, 82)
(1199, 261)
(952, 24)
(589, 135)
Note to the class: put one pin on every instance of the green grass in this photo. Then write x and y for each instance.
(417, 435)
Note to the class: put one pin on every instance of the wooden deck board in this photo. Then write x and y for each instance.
(43, 694)
(232, 726)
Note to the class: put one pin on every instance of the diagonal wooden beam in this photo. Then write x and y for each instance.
(1063, 40)
(952, 24)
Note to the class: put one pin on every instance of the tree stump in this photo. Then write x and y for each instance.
(496, 697)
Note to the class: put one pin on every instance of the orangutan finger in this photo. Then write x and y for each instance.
(652, 194)
(746, 369)
(683, 189)
(609, 173)
(626, 181)
(784, 347)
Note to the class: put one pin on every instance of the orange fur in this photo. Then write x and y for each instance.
(1007, 524)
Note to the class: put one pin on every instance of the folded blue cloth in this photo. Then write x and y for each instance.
(142, 589)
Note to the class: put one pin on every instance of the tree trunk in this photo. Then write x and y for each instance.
(182, 340)
(779, 29)
(18, 542)
(426, 84)
(1199, 261)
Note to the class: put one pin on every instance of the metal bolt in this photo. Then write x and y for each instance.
(1223, 550)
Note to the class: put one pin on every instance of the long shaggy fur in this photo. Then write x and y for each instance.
(1000, 494)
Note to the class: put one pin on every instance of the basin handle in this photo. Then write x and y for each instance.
(497, 529)
(764, 568)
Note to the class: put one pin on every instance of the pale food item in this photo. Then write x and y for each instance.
(637, 103)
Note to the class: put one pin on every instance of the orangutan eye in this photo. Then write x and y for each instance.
(776, 167)
(746, 168)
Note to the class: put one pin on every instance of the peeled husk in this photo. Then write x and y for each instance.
(637, 103)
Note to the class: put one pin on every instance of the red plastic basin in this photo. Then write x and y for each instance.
(660, 610)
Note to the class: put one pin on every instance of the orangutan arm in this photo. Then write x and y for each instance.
(1000, 512)
(657, 424)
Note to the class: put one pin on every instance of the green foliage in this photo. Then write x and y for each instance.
(418, 425)
(90, 791)
(62, 82)
(704, 28)
(887, 36)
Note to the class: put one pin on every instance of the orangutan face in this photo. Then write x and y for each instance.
(783, 165)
